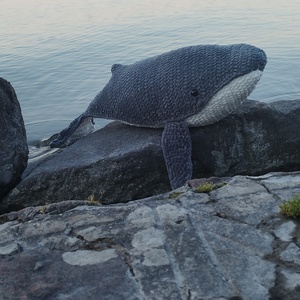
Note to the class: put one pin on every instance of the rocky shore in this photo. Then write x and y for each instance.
(71, 230)
(120, 163)
(232, 243)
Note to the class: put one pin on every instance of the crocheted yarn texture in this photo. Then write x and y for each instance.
(190, 86)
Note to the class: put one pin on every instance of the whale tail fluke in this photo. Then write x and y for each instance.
(77, 129)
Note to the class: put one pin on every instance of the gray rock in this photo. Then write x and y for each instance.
(285, 231)
(123, 163)
(283, 187)
(9, 249)
(117, 162)
(179, 245)
(291, 254)
(13, 143)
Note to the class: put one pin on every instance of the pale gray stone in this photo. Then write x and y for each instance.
(284, 232)
(291, 254)
(155, 257)
(141, 216)
(38, 266)
(245, 200)
(147, 239)
(88, 257)
(284, 186)
(9, 249)
(292, 279)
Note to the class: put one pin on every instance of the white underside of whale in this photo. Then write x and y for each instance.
(226, 100)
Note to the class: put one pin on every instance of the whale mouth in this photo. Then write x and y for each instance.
(226, 100)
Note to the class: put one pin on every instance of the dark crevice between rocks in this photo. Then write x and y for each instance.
(17, 249)
(278, 246)
(189, 294)
(179, 221)
(128, 262)
(11, 208)
(276, 197)
(279, 292)
(182, 288)
(269, 224)
(28, 213)
(101, 244)
(98, 244)
(224, 215)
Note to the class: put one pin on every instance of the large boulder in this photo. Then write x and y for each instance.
(13, 143)
(122, 163)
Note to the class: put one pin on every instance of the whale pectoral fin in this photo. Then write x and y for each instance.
(177, 150)
(78, 128)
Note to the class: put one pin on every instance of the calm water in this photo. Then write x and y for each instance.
(57, 54)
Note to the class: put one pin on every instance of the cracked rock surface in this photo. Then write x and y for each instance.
(232, 243)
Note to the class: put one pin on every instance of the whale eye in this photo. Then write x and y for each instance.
(194, 92)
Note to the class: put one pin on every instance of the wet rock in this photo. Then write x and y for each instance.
(177, 245)
(13, 143)
(123, 163)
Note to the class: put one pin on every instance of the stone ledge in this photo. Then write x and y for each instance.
(230, 243)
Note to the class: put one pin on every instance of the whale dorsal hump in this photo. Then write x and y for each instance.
(116, 67)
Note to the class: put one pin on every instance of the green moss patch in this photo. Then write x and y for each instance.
(291, 208)
(175, 195)
(207, 187)
(92, 201)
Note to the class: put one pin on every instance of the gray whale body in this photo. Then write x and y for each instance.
(190, 86)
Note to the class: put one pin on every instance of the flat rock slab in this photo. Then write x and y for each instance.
(229, 244)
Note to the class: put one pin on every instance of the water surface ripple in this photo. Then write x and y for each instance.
(58, 54)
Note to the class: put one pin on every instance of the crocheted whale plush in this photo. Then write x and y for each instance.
(190, 86)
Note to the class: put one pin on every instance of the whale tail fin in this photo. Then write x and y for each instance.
(77, 129)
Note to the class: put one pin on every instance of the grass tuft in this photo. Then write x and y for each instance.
(92, 200)
(207, 187)
(291, 208)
